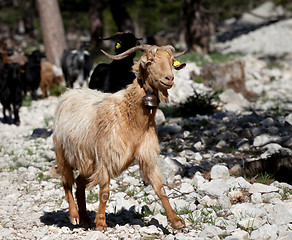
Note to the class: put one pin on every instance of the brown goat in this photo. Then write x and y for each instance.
(101, 134)
(48, 77)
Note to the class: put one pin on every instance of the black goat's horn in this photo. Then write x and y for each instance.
(127, 53)
(180, 53)
(116, 35)
(112, 36)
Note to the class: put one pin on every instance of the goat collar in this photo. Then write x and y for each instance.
(150, 100)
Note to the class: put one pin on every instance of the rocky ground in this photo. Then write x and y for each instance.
(207, 163)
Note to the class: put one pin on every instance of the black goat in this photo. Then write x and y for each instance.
(76, 65)
(31, 73)
(11, 88)
(118, 74)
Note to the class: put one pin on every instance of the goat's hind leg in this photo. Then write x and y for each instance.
(68, 180)
(81, 201)
(100, 220)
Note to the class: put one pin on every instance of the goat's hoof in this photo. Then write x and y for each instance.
(178, 224)
(74, 221)
(101, 228)
(85, 223)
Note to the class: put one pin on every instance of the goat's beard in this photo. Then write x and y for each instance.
(163, 95)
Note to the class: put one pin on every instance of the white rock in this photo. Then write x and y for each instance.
(161, 219)
(238, 183)
(96, 235)
(240, 235)
(150, 230)
(265, 232)
(186, 188)
(214, 188)
(244, 210)
(198, 156)
(250, 223)
(131, 180)
(256, 198)
(210, 231)
(262, 188)
(219, 172)
(271, 149)
(206, 200)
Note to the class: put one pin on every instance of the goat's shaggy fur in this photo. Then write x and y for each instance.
(101, 134)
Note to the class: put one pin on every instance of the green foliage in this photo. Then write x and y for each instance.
(80, 21)
(199, 103)
(27, 101)
(274, 64)
(11, 15)
(42, 177)
(56, 90)
(109, 25)
(92, 196)
(265, 178)
(155, 16)
(285, 193)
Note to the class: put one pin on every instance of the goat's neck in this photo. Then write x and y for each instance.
(135, 105)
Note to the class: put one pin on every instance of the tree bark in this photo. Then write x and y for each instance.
(53, 33)
(121, 16)
(96, 22)
(197, 27)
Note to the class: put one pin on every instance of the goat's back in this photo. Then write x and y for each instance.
(83, 127)
(77, 108)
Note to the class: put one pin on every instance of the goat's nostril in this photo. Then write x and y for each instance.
(169, 78)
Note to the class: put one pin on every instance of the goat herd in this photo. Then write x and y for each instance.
(101, 148)
(23, 73)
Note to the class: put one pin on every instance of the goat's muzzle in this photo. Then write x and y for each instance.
(167, 82)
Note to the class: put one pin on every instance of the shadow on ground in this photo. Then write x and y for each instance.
(60, 219)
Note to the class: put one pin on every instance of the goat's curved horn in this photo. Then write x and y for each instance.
(126, 53)
(180, 53)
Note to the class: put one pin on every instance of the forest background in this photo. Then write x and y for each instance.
(55, 25)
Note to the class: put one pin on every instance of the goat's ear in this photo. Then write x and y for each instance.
(178, 66)
(144, 61)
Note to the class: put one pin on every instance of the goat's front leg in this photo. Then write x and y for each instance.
(100, 220)
(155, 180)
(81, 183)
(16, 114)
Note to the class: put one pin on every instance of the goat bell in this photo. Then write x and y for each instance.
(150, 101)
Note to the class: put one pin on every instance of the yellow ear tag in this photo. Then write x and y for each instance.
(176, 63)
(118, 45)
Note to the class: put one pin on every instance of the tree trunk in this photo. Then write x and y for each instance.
(96, 23)
(197, 27)
(121, 16)
(52, 30)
